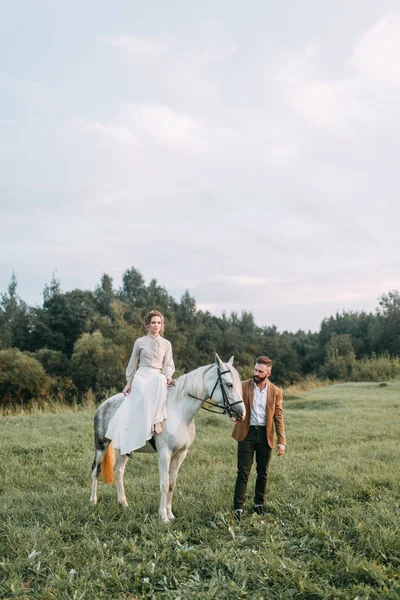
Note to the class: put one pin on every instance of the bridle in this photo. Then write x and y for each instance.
(226, 408)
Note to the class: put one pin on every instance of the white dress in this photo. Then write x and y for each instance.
(133, 423)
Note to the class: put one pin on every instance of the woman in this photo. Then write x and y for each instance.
(144, 409)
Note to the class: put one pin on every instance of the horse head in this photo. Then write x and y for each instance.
(225, 389)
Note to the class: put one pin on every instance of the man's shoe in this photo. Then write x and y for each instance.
(238, 514)
(259, 509)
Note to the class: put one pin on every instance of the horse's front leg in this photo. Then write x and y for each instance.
(164, 460)
(175, 465)
(119, 469)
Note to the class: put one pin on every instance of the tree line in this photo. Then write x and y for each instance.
(81, 340)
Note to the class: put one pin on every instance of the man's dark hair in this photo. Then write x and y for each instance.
(264, 360)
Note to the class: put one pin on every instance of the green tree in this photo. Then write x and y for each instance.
(104, 295)
(356, 324)
(285, 361)
(133, 289)
(386, 331)
(340, 358)
(97, 363)
(63, 318)
(157, 298)
(14, 318)
(188, 328)
(305, 344)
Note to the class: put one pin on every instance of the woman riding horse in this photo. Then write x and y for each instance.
(144, 408)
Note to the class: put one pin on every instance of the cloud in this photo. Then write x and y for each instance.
(376, 55)
(138, 47)
(219, 148)
(114, 133)
(326, 104)
(168, 127)
(244, 280)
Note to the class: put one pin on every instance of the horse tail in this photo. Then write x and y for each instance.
(107, 465)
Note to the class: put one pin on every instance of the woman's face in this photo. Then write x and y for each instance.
(155, 325)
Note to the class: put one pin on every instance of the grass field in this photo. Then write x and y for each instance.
(331, 531)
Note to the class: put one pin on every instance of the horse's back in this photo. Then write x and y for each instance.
(103, 416)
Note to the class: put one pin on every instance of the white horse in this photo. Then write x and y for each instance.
(218, 381)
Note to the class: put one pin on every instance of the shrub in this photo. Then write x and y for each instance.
(377, 368)
(63, 390)
(22, 377)
(54, 362)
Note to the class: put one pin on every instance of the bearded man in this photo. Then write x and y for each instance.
(255, 435)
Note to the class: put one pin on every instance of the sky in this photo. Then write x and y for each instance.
(246, 152)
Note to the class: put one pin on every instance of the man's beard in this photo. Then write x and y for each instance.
(258, 379)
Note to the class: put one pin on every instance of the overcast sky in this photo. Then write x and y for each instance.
(247, 152)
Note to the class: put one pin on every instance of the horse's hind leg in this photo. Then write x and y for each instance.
(119, 469)
(96, 468)
(175, 465)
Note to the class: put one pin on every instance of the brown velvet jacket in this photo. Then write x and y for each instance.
(274, 413)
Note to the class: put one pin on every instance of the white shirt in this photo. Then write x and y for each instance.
(258, 413)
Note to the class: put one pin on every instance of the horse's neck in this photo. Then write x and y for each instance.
(190, 407)
(192, 394)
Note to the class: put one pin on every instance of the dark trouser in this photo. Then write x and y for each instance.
(255, 442)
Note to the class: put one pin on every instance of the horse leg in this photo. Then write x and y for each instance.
(119, 469)
(96, 468)
(164, 460)
(176, 462)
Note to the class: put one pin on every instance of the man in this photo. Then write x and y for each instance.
(255, 435)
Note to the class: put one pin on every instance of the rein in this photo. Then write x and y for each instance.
(227, 407)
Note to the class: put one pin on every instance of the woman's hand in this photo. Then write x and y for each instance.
(170, 382)
(127, 388)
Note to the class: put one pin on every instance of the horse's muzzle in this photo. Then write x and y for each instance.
(241, 414)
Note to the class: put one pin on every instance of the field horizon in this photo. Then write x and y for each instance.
(331, 530)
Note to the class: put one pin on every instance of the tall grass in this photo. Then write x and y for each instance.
(377, 368)
(331, 530)
(309, 383)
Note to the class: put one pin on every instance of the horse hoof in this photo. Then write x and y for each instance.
(171, 517)
(123, 504)
(93, 502)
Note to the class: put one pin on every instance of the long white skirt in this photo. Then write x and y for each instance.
(133, 423)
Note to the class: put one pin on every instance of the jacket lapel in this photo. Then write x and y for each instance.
(251, 395)
(270, 398)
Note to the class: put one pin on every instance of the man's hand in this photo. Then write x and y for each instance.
(280, 450)
(233, 418)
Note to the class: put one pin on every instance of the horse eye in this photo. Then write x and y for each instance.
(229, 385)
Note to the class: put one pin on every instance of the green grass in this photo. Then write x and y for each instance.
(332, 528)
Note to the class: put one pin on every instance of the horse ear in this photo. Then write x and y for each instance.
(219, 362)
(230, 361)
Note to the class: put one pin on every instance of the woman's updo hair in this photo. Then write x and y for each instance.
(150, 315)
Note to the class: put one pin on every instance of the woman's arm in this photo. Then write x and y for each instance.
(168, 367)
(133, 362)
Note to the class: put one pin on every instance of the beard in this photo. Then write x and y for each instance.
(258, 379)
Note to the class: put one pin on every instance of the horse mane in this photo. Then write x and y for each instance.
(192, 383)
